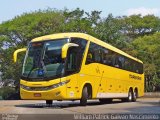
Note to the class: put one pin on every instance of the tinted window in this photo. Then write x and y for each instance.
(94, 54)
(75, 56)
(98, 54)
(80, 51)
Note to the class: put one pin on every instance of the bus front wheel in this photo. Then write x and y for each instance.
(83, 100)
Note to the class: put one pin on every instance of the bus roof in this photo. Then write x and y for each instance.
(84, 36)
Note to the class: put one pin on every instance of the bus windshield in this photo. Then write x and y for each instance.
(43, 60)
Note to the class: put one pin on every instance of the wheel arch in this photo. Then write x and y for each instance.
(132, 90)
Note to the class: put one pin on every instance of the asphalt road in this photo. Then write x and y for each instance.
(27, 107)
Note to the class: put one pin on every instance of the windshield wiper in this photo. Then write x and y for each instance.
(43, 68)
(30, 72)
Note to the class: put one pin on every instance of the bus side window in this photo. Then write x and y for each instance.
(93, 55)
(80, 51)
(97, 54)
(107, 57)
(104, 56)
(136, 68)
(113, 59)
(121, 61)
(126, 64)
(90, 54)
(89, 58)
(140, 68)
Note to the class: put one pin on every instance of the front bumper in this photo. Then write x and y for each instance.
(53, 94)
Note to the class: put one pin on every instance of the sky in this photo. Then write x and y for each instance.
(11, 8)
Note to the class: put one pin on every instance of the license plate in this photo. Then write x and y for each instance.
(37, 94)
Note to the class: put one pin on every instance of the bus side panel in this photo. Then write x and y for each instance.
(118, 82)
(92, 74)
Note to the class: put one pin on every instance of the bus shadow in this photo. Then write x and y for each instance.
(64, 104)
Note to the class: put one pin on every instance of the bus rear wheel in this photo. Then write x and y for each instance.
(83, 100)
(106, 100)
(49, 102)
(129, 98)
(135, 95)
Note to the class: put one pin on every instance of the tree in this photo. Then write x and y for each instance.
(136, 35)
(147, 48)
(137, 25)
(16, 33)
(75, 21)
(109, 30)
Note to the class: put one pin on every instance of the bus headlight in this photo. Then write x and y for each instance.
(44, 88)
(58, 84)
(25, 87)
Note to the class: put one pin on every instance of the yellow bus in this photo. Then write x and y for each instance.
(77, 66)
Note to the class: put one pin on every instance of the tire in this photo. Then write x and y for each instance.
(135, 95)
(104, 101)
(84, 98)
(49, 102)
(129, 98)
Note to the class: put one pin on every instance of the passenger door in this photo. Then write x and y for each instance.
(70, 72)
(74, 62)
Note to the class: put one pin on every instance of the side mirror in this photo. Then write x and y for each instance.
(65, 49)
(16, 53)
